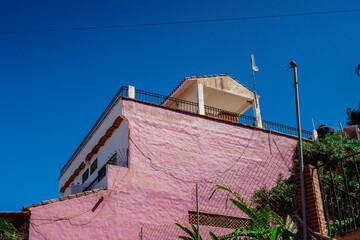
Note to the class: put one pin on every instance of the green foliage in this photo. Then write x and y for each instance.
(279, 197)
(267, 224)
(213, 237)
(237, 235)
(8, 231)
(325, 151)
(335, 226)
(353, 115)
(193, 233)
(328, 150)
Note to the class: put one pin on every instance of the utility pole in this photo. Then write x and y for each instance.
(301, 161)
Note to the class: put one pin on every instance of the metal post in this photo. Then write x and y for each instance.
(253, 75)
(142, 234)
(197, 211)
(256, 106)
(301, 161)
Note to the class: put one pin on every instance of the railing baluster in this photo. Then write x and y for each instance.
(332, 207)
(357, 217)
(348, 198)
(344, 201)
(336, 198)
(357, 171)
(324, 201)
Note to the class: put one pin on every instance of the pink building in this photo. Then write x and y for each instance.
(138, 166)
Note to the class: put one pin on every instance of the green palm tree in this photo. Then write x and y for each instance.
(8, 230)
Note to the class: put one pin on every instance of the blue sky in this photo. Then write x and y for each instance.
(55, 85)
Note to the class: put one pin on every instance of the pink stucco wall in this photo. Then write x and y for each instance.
(169, 152)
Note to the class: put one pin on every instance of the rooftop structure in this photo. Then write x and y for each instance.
(214, 96)
(219, 91)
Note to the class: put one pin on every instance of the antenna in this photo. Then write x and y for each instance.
(313, 123)
(254, 69)
(343, 134)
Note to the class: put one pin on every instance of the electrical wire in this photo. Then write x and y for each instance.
(179, 22)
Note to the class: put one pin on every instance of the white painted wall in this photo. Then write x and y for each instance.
(118, 140)
(76, 188)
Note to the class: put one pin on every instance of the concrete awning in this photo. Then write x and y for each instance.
(220, 91)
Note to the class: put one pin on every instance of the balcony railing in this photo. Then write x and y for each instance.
(117, 159)
(183, 105)
(120, 93)
(213, 112)
(340, 190)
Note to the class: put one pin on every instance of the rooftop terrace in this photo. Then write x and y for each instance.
(186, 106)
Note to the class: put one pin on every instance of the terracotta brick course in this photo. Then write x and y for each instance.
(315, 215)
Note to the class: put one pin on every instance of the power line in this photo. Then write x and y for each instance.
(179, 22)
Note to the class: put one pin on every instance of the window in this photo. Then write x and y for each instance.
(102, 173)
(93, 167)
(85, 175)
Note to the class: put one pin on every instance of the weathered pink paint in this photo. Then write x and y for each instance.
(169, 152)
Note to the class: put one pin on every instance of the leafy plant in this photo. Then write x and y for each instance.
(335, 226)
(8, 230)
(193, 233)
(279, 197)
(328, 150)
(267, 224)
